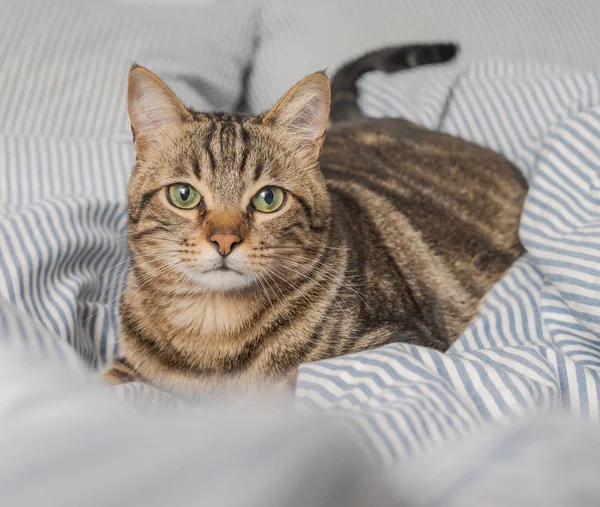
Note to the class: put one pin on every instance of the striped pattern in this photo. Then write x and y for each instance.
(110, 455)
(534, 345)
(65, 157)
(66, 152)
(297, 37)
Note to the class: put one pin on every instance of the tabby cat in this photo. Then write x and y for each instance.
(257, 245)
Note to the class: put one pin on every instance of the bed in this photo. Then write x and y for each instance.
(533, 95)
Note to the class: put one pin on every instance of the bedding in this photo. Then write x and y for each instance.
(534, 344)
(71, 445)
(65, 157)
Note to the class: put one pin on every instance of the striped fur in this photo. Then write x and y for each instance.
(388, 233)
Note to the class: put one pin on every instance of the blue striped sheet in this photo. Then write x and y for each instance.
(534, 344)
(65, 157)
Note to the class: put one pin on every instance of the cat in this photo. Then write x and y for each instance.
(257, 245)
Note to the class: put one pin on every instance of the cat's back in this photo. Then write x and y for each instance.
(440, 212)
(422, 172)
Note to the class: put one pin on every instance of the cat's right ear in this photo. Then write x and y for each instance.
(302, 113)
(154, 110)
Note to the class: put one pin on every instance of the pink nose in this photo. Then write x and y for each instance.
(225, 243)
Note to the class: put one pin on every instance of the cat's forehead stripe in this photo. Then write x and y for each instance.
(245, 147)
(258, 171)
(231, 117)
(228, 137)
(196, 168)
(207, 142)
(143, 202)
(231, 140)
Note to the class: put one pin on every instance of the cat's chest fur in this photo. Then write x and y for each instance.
(213, 315)
(207, 343)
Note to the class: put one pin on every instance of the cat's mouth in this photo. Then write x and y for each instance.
(222, 269)
(221, 275)
(221, 278)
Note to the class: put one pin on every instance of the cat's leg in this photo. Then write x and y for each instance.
(119, 372)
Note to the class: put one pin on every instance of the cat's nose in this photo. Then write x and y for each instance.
(224, 242)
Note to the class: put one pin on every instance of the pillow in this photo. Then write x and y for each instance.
(64, 63)
(66, 151)
(300, 37)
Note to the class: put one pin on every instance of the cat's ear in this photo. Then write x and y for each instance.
(154, 110)
(302, 113)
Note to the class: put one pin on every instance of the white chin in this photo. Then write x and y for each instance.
(222, 281)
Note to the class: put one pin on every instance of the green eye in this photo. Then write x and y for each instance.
(184, 196)
(268, 199)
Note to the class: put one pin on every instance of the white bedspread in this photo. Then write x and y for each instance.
(65, 156)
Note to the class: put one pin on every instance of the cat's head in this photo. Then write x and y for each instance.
(224, 203)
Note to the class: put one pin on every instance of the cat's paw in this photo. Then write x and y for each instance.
(119, 372)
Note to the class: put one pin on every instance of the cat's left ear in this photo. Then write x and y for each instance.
(302, 113)
(154, 110)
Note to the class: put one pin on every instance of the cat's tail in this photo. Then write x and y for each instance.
(344, 93)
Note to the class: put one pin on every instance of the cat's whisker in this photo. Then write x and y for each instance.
(329, 275)
(268, 275)
(262, 280)
(120, 275)
(300, 291)
(174, 276)
(319, 264)
(273, 291)
(161, 271)
(331, 292)
(119, 295)
(141, 265)
(334, 294)
(153, 275)
(129, 259)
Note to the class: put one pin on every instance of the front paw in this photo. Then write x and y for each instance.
(119, 372)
